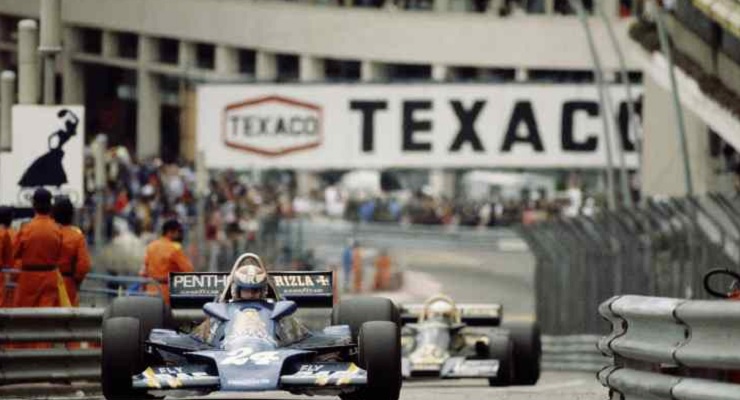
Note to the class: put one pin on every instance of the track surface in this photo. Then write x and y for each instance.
(500, 277)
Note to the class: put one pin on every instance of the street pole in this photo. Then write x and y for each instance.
(598, 73)
(7, 99)
(665, 46)
(51, 45)
(201, 190)
(28, 62)
(99, 146)
(631, 116)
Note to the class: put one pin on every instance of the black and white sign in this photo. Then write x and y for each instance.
(345, 126)
(47, 152)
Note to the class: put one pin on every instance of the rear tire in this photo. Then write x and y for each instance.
(501, 348)
(122, 357)
(152, 312)
(357, 311)
(527, 352)
(379, 349)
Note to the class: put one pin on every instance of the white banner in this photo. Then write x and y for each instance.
(47, 151)
(419, 126)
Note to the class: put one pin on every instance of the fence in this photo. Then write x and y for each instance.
(667, 348)
(61, 325)
(661, 249)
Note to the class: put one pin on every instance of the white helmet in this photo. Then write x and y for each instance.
(440, 308)
(250, 275)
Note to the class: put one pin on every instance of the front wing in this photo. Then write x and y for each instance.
(327, 375)
(451, 368)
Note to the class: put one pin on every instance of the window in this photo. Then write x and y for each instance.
(560, 76)
(633, 76)
(409, 72)
(205, 56)
(168, 51)
(128, 45)
(92, 40)
(342, 70)
(247, 61)
(287, 68)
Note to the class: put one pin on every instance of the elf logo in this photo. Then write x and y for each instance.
(272, 125)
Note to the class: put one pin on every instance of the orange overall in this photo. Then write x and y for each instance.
(74, 262)
(162, 257)
(356, 270)
(382, 271)
(38, 246)
(6, 260)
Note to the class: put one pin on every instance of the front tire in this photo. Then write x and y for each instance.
(122, 357)
(379, 347)
(152, 312)
(355, 312)
(527, 352)
(501, 348)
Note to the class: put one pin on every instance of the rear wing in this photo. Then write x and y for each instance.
(471, 314)
(307, 289)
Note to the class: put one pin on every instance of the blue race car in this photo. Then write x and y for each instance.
(253, 344)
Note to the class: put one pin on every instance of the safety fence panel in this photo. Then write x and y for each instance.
(663, 248)
(64, 363)
(667, 348)
(572, 353)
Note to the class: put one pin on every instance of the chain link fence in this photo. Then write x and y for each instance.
(662, 248)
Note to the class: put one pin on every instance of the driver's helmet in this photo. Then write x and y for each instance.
(249, 282)
(440, 309)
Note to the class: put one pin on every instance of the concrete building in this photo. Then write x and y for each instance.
(134, 63)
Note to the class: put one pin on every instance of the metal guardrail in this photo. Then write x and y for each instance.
(573, 353)
(665, 348)
(64, 325)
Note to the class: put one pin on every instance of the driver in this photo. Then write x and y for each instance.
(249, 282)
(440, 309)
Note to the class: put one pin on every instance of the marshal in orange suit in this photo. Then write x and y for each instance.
(74, 261)
(165, 255)
(38, 246)
(6, 248)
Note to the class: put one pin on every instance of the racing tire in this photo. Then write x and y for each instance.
(379, 349)
(151, 311)
(501, 348)
(122, 356)
(527, 352)
(357, 311)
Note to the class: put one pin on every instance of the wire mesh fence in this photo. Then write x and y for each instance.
(662, 248)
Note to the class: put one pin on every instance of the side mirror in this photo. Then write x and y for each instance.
(283, 309)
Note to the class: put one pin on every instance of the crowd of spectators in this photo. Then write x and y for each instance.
(140, 196)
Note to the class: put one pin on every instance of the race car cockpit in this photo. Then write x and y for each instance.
(440, 308)
(247, 295)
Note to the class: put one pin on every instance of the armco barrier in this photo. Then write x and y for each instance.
(572, 353)
(666, 348)
(60, 325)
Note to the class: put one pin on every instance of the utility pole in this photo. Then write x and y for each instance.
(665, 46)
(50, 45)
(598, 73)
(631, 116)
